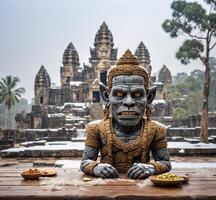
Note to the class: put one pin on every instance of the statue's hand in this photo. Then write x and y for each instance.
(141, 171)
(105, 171)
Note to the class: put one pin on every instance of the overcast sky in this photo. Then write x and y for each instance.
(36, 32)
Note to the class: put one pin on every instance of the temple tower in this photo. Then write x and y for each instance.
(165, 76)
(164, 80)
(42, 87)
(143, 57)
(103, 55)
(70, 62)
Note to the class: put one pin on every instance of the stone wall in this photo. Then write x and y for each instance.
(188, 132)
(191, 121)
(55, 97)
(18, 136)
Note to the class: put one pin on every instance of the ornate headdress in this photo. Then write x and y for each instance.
(127, 65)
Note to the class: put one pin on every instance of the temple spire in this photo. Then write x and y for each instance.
(42, 78)
(143, 56)
(165, 75)
(69, 71)
(70, 56)
(42, 87)
(103, 35)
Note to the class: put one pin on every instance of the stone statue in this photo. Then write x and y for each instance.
(126, 137)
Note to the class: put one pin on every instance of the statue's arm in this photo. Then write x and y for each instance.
(162, 160)
(159, 150)
(92, 146)
(89, 158)
(90, 166)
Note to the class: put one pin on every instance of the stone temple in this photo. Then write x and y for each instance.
(77, 99)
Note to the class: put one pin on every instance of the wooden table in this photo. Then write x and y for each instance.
(68, 184)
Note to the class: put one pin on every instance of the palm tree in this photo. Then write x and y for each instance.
(10, 94)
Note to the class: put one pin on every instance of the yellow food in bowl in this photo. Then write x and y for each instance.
(169, 177)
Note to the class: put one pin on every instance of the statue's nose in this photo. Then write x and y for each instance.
(129, 102)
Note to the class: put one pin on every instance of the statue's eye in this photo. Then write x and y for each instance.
(119, 94)
(137, 94)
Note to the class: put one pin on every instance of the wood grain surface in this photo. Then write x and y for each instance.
(68, 184)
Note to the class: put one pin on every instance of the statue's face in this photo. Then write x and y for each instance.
(128, 99)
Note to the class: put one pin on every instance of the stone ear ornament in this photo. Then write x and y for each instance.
(105, 96)
(104, 92)
(106, 111)
(151, 92)
(148, 112)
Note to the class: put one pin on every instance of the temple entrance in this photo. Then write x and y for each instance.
(103, 77)
(68, 79)
(41, 100)
(77, 96)
(96, 96)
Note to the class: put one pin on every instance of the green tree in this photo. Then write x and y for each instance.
(190, 84)
(193, 103)
(173, 93)
(193, 21)
(180, 113)
(10, 95)
(179, 77)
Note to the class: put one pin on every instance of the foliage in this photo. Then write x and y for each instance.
(10, 94)
(180, 113)
(2, 121)
(190, 87)
(190, 49)
(173, 93)
(193, 103)
(20, 107)
(180, 77)
(186, 84)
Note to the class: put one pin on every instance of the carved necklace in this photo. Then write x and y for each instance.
(126, 147)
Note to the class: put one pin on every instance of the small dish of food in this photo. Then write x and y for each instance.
(31, 174)
(167, 179)
(48, 172)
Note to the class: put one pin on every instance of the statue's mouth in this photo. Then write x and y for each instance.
(128, 114)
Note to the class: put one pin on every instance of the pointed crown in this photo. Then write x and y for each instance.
(127, 65)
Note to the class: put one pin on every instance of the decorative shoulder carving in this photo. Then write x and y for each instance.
(159, 127)
(92, 134)
(159, 141)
